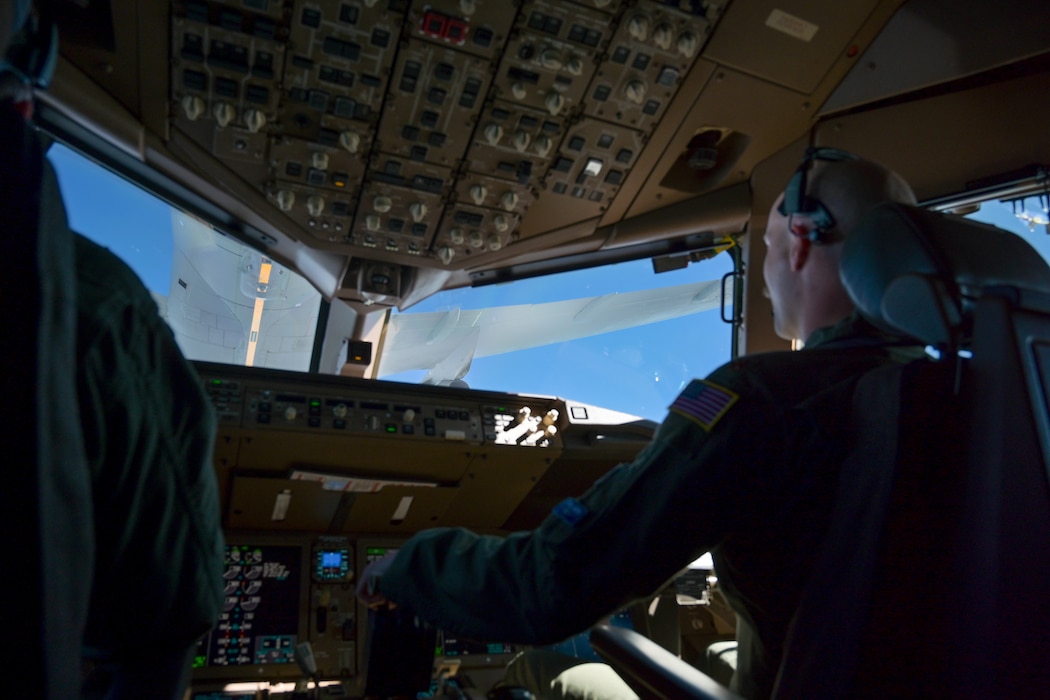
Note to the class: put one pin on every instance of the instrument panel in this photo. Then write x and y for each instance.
(339, 455)
(368, 408)
(320, 475)
(285, 592)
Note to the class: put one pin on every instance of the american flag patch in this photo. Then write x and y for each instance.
(704, 403)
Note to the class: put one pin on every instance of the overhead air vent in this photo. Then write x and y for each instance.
(706, 160)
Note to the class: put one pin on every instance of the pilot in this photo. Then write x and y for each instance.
(148, 552)
(743, 466)
(47, 587)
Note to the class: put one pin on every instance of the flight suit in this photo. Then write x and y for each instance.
(149, 432)
(744, 466)
(48, 549)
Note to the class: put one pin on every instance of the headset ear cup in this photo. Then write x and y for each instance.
(33, 52)
(813, 234)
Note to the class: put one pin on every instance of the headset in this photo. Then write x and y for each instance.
(33, 52)
(797, 202)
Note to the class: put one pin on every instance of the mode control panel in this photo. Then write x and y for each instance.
(349, 414)
(256, 399)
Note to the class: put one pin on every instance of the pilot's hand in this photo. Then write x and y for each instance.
(368, 584)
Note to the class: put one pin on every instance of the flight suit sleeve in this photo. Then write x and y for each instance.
(634, 528)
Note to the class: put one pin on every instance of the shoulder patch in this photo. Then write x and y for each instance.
(704, 403)
(571, 511)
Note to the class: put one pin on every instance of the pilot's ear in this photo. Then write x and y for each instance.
(800, 245)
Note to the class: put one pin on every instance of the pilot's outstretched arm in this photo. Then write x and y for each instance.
(633, 529)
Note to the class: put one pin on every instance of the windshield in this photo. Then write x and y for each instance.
(620, 336)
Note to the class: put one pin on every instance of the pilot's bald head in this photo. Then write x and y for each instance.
(802, 275)
(851, 188)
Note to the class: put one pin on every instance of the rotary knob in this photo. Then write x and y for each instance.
(285, 200)
(521, 140)
(493, 133)
(315, 205)
(554, 102)
(350, 141)
(418, 210)
(224, 114)
(254, 119)
(542, 145)
(635, 91)
(663, 36)
(193, 107)
(638, 27)
(509, 200)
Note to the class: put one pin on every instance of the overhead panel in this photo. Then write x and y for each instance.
(335, 80)
(400, 204)
(226, 64)
(433, 85)
(591, 164)
(475, 27)
(429, 133)
(652, 48)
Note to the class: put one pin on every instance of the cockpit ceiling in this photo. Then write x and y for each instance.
(442, 134)
(458, 136)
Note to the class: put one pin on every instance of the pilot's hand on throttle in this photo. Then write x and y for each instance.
(368, 585)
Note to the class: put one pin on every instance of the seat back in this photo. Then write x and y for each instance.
(932, 581)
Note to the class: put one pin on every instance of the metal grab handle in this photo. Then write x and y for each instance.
(726, 276)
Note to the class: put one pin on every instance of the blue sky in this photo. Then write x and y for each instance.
(132, 223)
(637, 370)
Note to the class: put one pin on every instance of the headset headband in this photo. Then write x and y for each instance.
(33, 52)
(797, 202)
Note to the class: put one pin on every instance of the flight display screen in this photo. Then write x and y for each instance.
(461, 647)
(259, 623)
(332, 565)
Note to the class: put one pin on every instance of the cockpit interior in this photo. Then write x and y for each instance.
(336, 177)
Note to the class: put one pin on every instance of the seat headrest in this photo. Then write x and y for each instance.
(917, 273)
